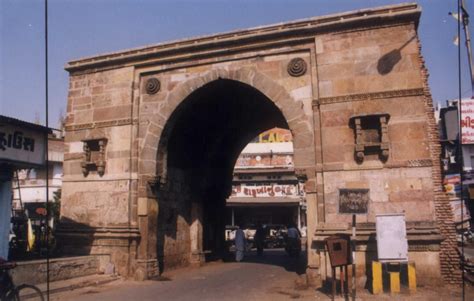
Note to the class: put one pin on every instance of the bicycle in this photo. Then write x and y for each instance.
(10, 292)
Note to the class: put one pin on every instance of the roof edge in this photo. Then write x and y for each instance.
(25, 124)
(266, 31)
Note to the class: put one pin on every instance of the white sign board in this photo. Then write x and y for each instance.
(392, 244)
(467, 121)
(21, 145)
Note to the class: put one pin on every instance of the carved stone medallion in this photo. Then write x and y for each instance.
(297, 67)
(152, 86)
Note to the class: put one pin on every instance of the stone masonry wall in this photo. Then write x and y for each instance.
(449, 256)
(354, 79)
(378, 71)
(95, 210)
(99, 106)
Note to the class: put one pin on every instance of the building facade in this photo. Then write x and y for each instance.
(22, 145)
(265, 188)
(153, 134)
(458, 159)
(29, 185)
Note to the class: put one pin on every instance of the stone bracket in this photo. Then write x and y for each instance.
(94, 156)
(371, 134)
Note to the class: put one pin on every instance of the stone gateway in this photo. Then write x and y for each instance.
(153, 134)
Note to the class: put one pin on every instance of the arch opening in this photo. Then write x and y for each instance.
(197, 153)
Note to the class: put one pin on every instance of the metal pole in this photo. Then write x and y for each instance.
(465, 23)
(299, 217)
(353, 240)
(233, 220)
(46, 144)
(461, 159)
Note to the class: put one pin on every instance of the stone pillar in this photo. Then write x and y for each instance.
(197, 255)
(313, 269)
(5, 208)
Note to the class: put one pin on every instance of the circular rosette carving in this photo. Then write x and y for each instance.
(152, 86)
(297, 67)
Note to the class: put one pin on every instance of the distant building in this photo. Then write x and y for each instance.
(22, 145)
(265, 188)
(29, 191)
(448, 123)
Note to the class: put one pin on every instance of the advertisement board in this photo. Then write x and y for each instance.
(452, 184)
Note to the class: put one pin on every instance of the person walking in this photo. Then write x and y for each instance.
(239, 244)
(260, 239)
(293, 241)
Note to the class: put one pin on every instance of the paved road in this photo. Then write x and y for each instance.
(274, 277)
(271, 277)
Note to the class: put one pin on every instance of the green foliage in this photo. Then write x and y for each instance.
(55, 206)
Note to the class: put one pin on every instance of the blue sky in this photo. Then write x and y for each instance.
(79, 28)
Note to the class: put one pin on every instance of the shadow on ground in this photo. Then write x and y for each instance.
(277, 257)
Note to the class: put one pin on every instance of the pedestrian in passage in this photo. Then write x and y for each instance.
(293, 243)
(259, 239)
(239, 244)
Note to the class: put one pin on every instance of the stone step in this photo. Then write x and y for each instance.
(34, 271)
(60, 286)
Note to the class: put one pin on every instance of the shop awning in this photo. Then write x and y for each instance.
(262, 201)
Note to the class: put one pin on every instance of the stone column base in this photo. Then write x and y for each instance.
(146, 269)
(197, 258)
(313, 277)
(118, 242)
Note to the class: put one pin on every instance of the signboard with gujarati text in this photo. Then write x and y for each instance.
(242, 190)
(467, 121)
(21, 145)
(353, 201)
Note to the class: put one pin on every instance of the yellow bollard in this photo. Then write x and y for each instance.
(377, 284)
(412, 277)
(394, 282)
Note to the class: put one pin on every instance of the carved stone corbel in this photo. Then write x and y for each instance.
(371, 135)
(93, 157)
